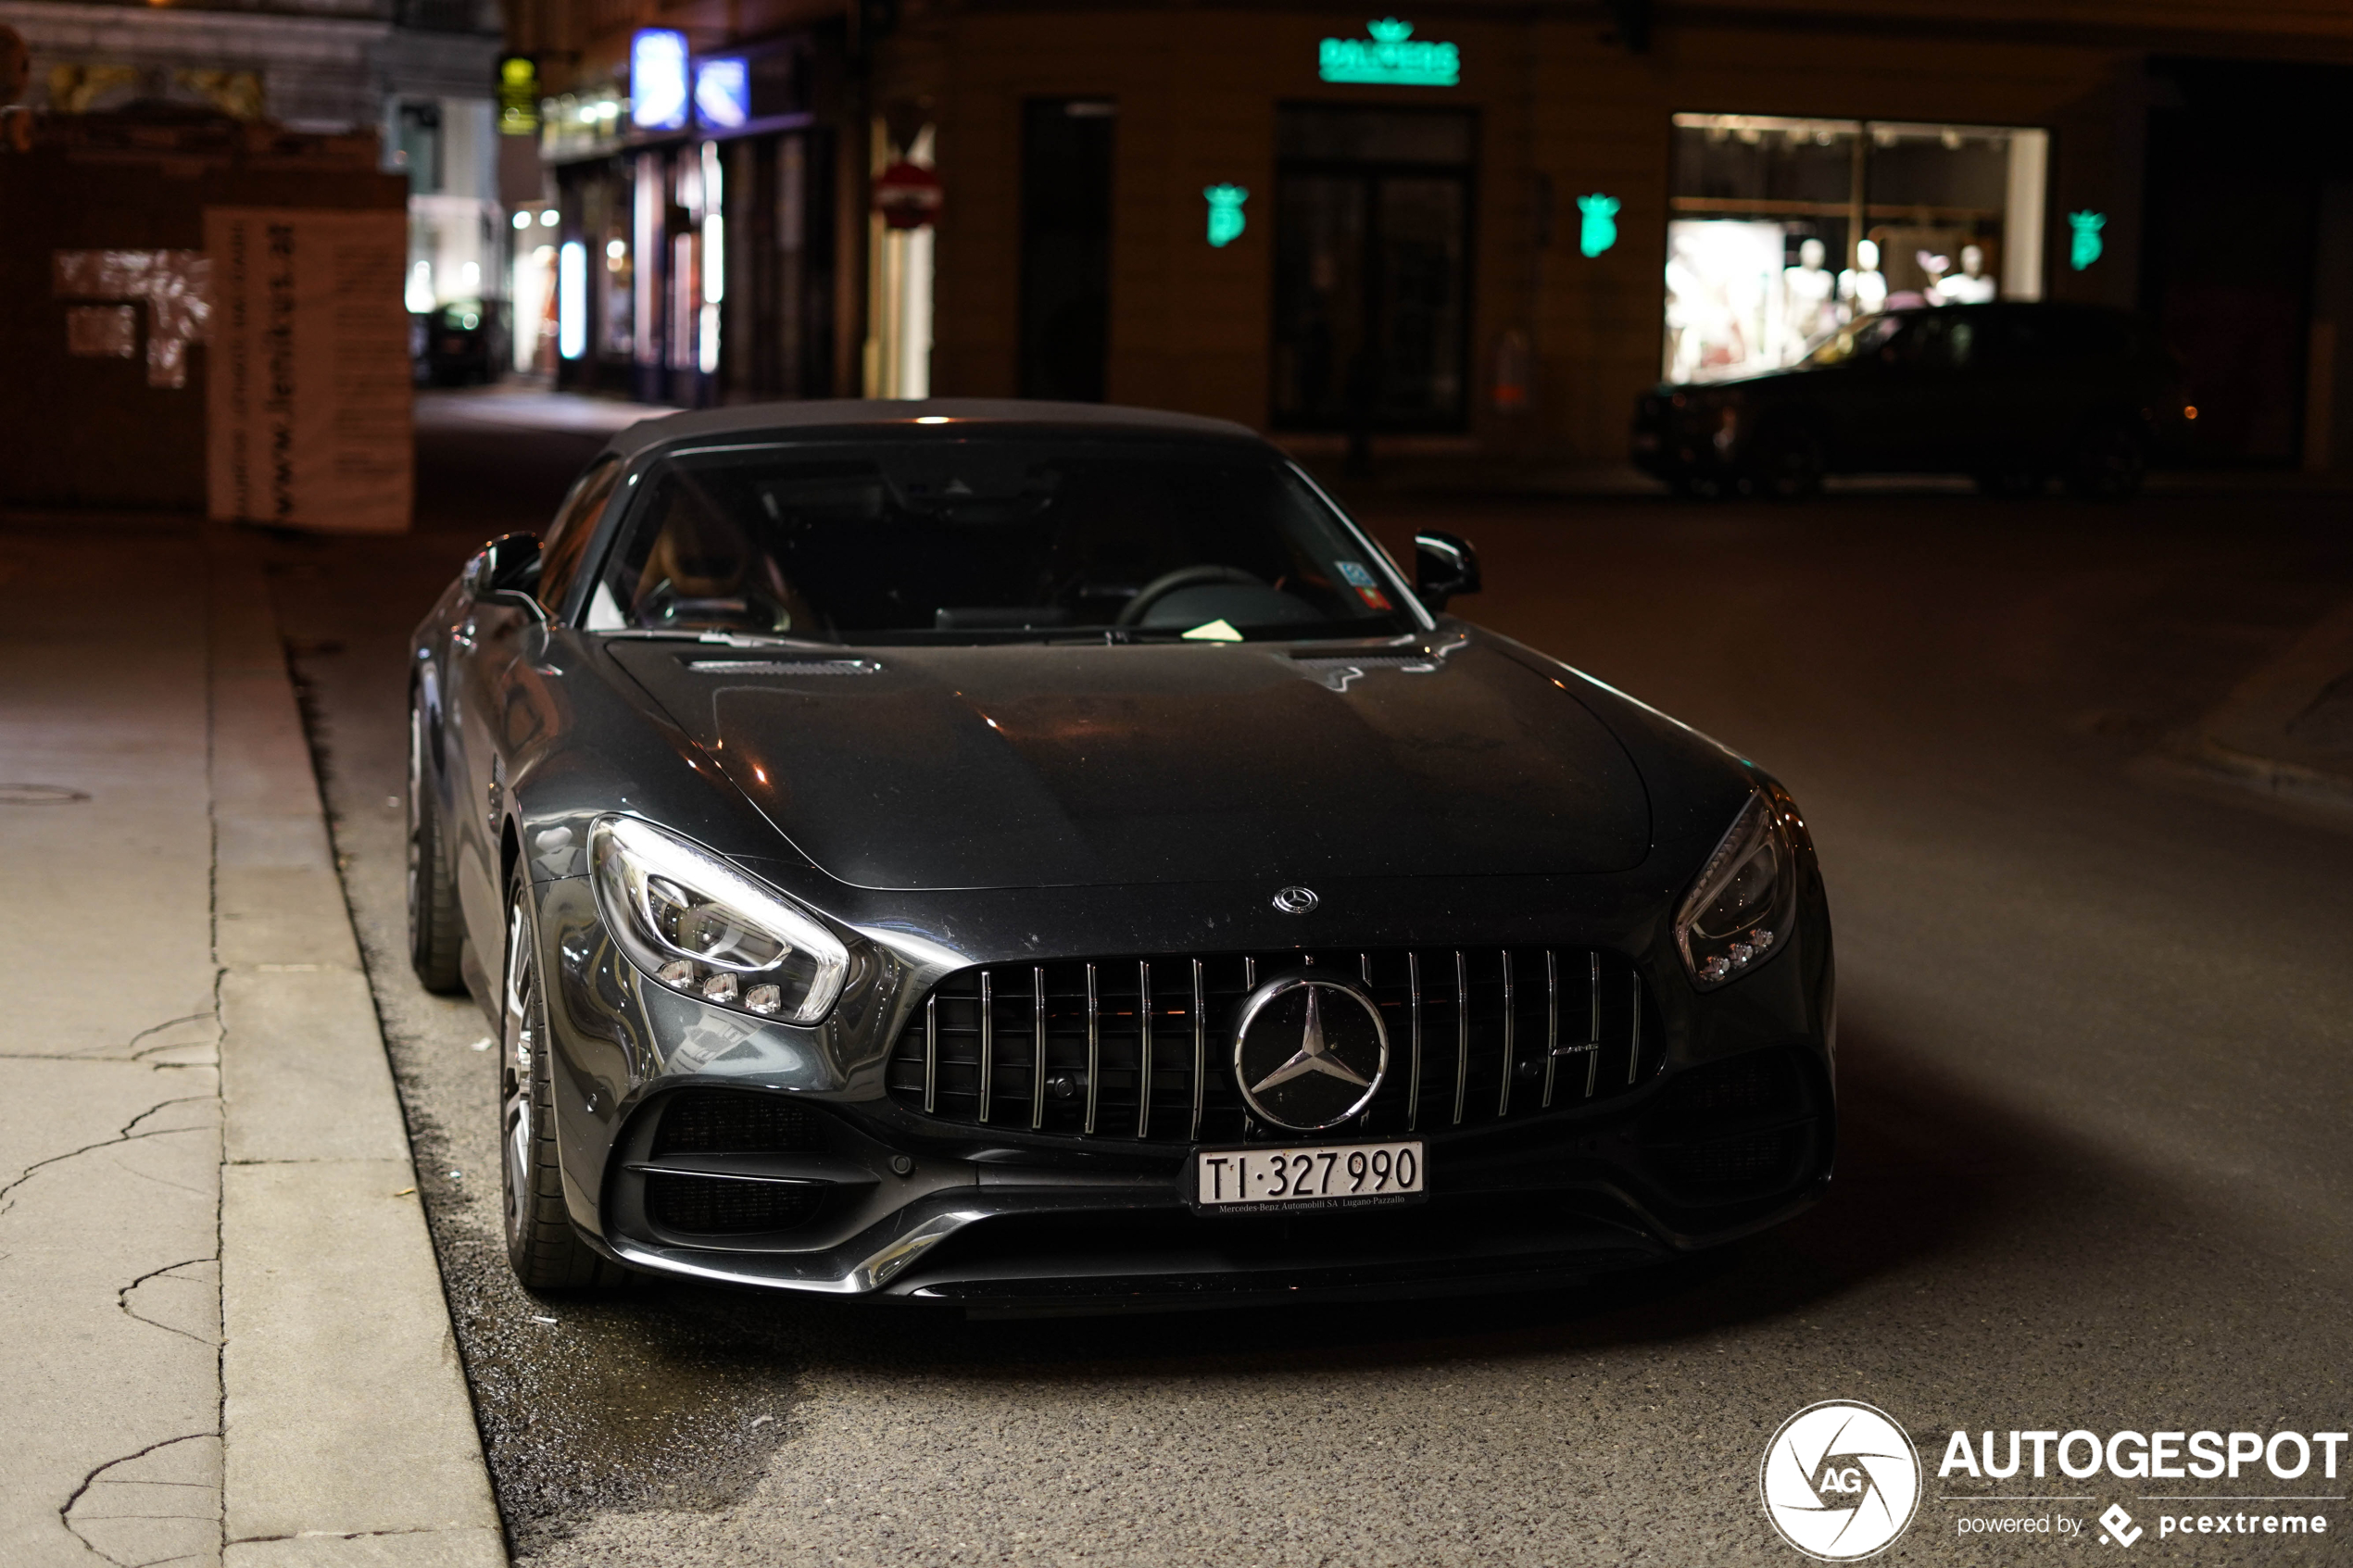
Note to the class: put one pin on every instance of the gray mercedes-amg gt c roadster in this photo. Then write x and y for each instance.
(1046, 858)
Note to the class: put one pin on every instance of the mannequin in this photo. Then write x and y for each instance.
(1862, 288)
(1970, 285)
(1807, 308)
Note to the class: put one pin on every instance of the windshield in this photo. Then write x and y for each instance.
(987, 538)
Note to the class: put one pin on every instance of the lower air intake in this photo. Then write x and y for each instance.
(719, 1206)
(727, 1121)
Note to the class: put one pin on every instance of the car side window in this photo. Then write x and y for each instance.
(568, 537)
(2016, 340)
(1926, 344)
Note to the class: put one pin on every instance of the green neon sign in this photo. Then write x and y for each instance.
(2084, 243)
(1225, 213)
(1391, 57)
(1597, 228)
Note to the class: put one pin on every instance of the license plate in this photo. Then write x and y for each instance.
(1355, 1175)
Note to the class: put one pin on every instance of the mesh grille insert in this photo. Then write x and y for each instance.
(1755, 1162)
(729, 1121)
(1141, 1048)
(1726, 1095)
(715, 1206)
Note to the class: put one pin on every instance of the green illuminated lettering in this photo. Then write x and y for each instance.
(1391, 57)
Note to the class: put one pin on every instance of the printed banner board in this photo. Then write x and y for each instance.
(308, 390)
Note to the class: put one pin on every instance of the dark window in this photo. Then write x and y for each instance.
(418, 147)
(1372, 258)
(1065, 248)
(568, 536)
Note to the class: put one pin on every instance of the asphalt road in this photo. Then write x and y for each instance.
(2096, 1071)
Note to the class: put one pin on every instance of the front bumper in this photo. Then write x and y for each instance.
(854, 1192)
(898, 1210)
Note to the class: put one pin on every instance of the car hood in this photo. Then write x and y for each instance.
(909, 768)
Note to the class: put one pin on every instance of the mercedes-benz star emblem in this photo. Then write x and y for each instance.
(1309, 1052)
(1295, 901)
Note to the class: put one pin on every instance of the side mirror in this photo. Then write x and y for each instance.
(508, 565)
(1444, 565)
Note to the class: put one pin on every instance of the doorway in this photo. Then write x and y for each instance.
(2235, 268)
(1065, 248)
(1372, 268)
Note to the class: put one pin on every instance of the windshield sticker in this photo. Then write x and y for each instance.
(1219, 630)
(1362, 581)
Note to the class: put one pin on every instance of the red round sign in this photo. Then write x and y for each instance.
(907, 195)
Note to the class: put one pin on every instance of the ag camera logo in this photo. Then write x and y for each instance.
(1840, 1480)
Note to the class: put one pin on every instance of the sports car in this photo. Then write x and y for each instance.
(1049, 858)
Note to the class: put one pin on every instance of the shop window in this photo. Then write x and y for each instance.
(1065, 248)
(1372, 256)
(1783, 230)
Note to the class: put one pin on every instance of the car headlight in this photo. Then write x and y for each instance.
(707, 931)
(1741, 907)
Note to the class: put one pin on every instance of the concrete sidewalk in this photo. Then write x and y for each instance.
(227, 1342)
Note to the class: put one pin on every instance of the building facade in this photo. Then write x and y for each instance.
(1474, 227)
(417, 73)
(702, 237)
(1489, 227)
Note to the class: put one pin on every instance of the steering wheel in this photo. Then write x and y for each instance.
(1168, 583)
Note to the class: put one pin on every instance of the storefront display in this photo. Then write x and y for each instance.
(1781, 230)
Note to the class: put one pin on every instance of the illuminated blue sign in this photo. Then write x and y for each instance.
(658, 79)
(1597, 227)
(2083, 243)
(723, 94)
(1391, 57)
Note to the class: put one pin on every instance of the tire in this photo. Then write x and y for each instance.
(2009, 484)
(1785, 464)
(543, 1246)
(2109, 463)
(433, 898)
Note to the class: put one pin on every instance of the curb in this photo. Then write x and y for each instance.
(2267, 775)
(348, 1431)
(2249, 741)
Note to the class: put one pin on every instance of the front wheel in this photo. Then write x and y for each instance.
(433, 902)
(1785, 465)
(546, 1251)
(2009, 484)
(2109, 462)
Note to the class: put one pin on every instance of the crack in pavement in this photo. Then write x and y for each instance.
(26, 1172)
(65, 1510)
(352, 1535)
(122, 1300)
(130, 1050)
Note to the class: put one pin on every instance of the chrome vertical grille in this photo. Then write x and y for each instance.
(1141, 1048)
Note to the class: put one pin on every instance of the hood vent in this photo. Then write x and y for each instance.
(785, 666)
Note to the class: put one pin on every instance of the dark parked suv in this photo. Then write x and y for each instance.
(2013, 394)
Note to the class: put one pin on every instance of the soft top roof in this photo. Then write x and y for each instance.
(875, 417)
